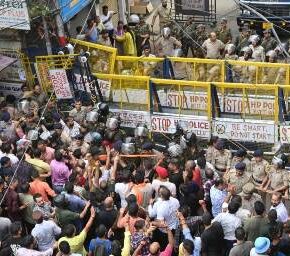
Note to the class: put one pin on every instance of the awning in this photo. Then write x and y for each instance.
(6, 61)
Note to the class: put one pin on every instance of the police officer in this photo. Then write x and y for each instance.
(224, 33)
(249, 197)
(164, 14)
(239, 157)
(259, 168)
(278, 177)
(142, 33)
(187, 37)
(268, 42)
(258, 51)
(200, 36)
(242, 40)
(221, 158)
(166, 44)
(237, 177)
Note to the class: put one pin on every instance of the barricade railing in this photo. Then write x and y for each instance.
(141, 66)
(181, 97)
(246, 101)
(125, 92)
(256, 72)
(193, 69)
(102, 58)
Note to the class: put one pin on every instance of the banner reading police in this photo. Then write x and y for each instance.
(167, 124)
(14, 14)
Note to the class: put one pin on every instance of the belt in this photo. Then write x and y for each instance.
(260, 182)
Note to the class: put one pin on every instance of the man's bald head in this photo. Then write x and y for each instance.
(213, 36)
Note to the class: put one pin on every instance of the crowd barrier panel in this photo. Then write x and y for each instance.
(256, 72)
(193, 69)
(102, 58)
(140, 66)
(246, 101)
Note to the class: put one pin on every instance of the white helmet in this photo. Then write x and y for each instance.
(230, 48)
(174, 150)
(134, 19)
(112, 123)
(166, 32)
(254, 38)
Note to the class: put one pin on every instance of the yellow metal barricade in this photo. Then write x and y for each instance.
(126, 92)
(57, 61)
(102, 58)
(258, 72)
(140, 66)
(181, 97)
(193, 69)
(247, 101)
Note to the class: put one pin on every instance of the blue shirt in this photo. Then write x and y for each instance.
(217, 199)
(93, 36)
(196, 241)
(104, 242)
(75, 203)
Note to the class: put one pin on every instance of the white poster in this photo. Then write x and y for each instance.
(6, 61)
(14, 14)
(60, 83)
(131, 118)
(8, 88)
(245, 131)
(167, 124)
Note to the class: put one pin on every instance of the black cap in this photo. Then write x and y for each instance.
(258, 153)
(240, 166)
(241, 152)
(220, 145)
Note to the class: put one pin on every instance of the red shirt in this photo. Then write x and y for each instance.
(197, 176)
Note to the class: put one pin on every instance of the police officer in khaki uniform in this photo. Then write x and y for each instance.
(249, 197)
(164, 14)
(259, 168)
(221, 158)
(240, 157)
(237, 177)
(268, 42)
(277, 180)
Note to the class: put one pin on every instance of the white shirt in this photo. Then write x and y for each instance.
(123, 190)
(45, 234)
(281, 212)
(230, 223)
(157, 183)
(12, 157)
(108, 25)
(25, 252)
(165, 211)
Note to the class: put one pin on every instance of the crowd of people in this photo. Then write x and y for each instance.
(79, 184)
